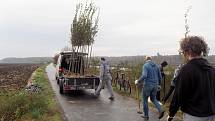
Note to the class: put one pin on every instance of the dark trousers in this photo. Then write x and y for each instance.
(158, 97)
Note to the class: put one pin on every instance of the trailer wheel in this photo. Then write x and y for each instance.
(61, 87)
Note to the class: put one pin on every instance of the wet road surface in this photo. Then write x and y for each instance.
(81, 106)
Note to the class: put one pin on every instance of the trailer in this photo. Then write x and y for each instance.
(72, 74)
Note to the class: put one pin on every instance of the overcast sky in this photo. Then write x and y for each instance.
(126, 27)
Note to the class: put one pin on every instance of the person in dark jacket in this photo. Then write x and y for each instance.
(162, 66)
(195, 85)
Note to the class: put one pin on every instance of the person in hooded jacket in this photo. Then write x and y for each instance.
(195, 85)
(151, 76)
(105, 79)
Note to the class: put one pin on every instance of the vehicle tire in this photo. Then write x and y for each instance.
(61, 87)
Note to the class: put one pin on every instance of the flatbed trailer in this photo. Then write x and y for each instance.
(78, 83)
(73, 74)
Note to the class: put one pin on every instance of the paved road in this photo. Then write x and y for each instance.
(81, 106)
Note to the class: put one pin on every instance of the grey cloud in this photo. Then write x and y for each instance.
(126, 27)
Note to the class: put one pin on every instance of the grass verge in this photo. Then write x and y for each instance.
(21, 105)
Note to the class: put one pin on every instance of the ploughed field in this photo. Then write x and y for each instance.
(15, 76)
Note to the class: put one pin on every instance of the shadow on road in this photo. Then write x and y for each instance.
(80, 95)
(75, 93)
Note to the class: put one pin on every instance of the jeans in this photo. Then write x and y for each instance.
(150, 91)
(188, 117)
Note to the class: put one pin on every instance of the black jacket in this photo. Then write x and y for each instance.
(195, 89)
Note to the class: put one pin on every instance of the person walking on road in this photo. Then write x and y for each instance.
(195, 85)
(105, 79)
(151, 76)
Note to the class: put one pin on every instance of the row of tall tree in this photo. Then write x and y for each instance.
(84, 28)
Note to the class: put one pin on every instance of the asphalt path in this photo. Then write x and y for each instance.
(82, 106)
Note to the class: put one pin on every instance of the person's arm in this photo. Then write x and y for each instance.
(165, 98)
(181, 92)
(144, 74)
(177, 71)
(102, 71)
(159, 76)
(172, 87)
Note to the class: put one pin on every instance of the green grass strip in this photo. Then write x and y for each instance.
(30, 106)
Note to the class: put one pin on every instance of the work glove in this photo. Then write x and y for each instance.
(136, 82)
(169, 118)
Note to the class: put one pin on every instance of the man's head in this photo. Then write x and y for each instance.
(102, 59)
(193, 46)
(148, 58)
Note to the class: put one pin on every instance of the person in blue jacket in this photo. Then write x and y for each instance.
(150, 77)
